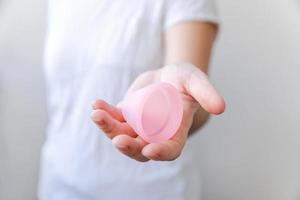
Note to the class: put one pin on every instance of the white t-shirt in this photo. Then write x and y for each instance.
(94, 50)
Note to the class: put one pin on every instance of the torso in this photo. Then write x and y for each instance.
(94, 52)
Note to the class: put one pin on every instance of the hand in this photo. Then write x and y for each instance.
(195, 90)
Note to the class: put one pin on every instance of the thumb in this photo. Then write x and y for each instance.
(199, 87)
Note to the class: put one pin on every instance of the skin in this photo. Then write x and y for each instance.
(187, 53)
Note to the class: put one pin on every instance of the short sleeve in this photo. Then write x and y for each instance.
(178, 11)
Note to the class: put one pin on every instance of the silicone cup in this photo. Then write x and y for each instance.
(154, 112)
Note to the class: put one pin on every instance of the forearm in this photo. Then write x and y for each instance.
(191, 43)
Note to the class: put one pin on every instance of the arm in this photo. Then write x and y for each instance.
(188, 48)
(191, 42)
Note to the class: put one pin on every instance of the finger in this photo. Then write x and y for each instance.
(110, 126)
(170, 149)
(112, 110)
(199, 87)
(131, 147)
(165, 151)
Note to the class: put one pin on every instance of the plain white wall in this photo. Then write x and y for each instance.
(251, 152)
(22, 101)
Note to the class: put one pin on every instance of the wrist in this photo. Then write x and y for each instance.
(200, 118)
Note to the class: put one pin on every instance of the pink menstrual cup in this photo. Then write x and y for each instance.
(154, 112)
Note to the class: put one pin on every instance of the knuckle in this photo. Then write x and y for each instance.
(156, 156)
(124, 149)
(108, 129)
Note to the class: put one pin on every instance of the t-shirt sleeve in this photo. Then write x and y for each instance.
(178, 11)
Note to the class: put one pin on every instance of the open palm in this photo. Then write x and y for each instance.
(196, 92)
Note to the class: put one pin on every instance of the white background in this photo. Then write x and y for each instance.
(252, 152)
